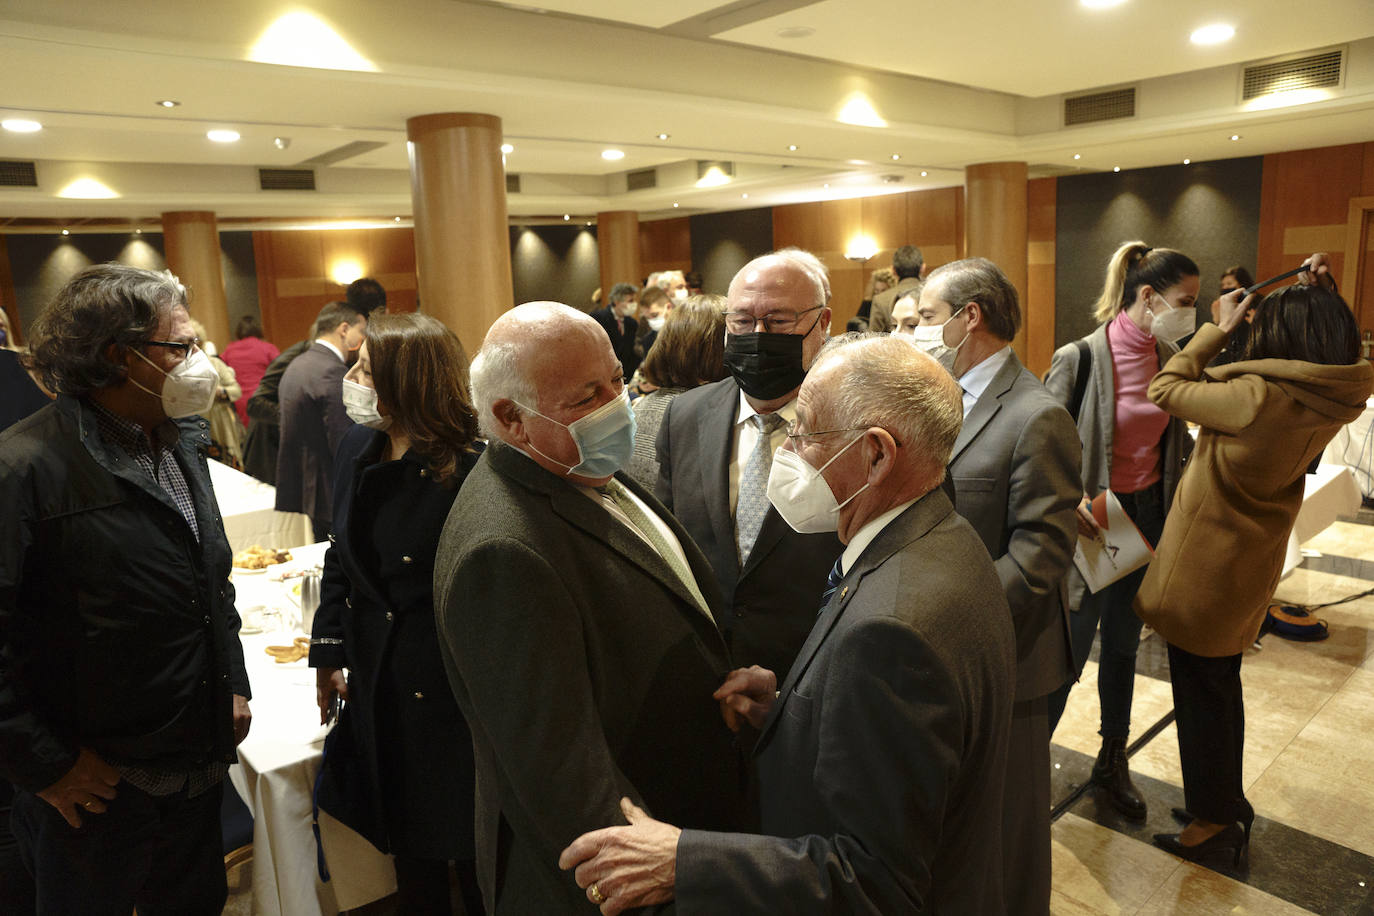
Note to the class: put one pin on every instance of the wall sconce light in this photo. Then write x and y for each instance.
(345, 271)
(860, 248)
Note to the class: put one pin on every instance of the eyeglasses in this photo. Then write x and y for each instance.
(793, 434)
(773, 322)
(183, 348)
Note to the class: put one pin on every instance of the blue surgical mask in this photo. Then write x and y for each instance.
(605, 438)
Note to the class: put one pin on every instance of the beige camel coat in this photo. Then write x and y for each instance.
(1263, 422)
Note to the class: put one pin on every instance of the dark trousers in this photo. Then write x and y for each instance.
(1120, 626)
(1026, 810)
(422, 887)
(159, 853)
(16, 884)
(1211, 734)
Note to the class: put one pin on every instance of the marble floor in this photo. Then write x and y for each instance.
(1308, 770)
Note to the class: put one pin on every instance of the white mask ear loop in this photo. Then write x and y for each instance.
(822, 468)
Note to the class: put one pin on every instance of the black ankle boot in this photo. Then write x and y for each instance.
(1111, 772)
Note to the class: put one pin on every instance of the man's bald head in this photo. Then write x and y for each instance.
(796, 274)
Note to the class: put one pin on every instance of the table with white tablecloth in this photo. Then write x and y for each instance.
(248, 507)
(278, 761)
(1327, 495)
(1353, 447)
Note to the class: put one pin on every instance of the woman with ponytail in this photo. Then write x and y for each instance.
(1134, 449)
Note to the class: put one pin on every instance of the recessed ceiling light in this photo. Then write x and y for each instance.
(1213, 34)
(826, 185)
(792, 147)
(589, 222)
(566, 217)
(21, 125)
(507, 148)
(168, 103)
(612, 155)
(1235, 136)
(1116, 168)
(745, 196)
(1101, 4)
(896, 156)
(395, 219)
(796, 31)
(924, 173)
(66, 232)
(281, 142)
(675, 204)
(223, 136)
(87, 189)
(1077, 156)
(1187, 161)
(138, 232)
(663, 136)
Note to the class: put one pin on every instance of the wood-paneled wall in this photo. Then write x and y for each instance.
(664, 244)
(1304, 206)
(293, 270)
(8, 301)
(931, 220)
(1037, 299)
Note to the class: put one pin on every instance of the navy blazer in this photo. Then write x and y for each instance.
(313, 423)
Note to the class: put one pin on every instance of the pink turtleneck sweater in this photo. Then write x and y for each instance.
(1140, 424)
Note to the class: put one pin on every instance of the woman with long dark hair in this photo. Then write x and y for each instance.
(1133, 448)
(400, 772)
(1263, 420)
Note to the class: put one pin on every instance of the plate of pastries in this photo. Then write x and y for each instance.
(256, 559)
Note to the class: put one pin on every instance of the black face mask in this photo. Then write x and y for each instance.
(766, 366)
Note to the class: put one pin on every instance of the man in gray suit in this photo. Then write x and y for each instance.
(313, 419)
(880, 762)
(716, 444)
(1016, 471)
(907, 264)
(576, 619)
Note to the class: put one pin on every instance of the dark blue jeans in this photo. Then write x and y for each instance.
(1111, 607)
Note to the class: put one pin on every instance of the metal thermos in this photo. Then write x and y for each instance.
(310, 598)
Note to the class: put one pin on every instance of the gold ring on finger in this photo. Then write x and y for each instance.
(595, 893)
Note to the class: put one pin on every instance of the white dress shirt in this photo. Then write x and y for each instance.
(337, 351)
(746, 434)
(871, 529)
(977, 379)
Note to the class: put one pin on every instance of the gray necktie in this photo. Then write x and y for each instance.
(752, 504)
(616, 493)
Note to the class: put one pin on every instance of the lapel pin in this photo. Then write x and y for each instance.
(844, 591)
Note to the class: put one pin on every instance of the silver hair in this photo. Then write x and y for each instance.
(502, 368)
(979, 280)
(661, 278)
(889, 382)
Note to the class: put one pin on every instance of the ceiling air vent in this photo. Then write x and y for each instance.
(17, 174)
(286, 179)
(1314, 71)
(641, 180)
(1100, 106)
(512, 183)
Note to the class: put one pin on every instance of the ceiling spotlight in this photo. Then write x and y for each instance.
(66, 232)
(792, 147)
(1235, 136)
(21, 125)
(745, 196)
(395, 219)
(675, 204)
(138, 232)
(663, 136)
(223, 136)
(168, 103)
(1076, 156)
(281, 142)
(1187, 161)
(589, 222)
(566, 217)
(1116, 168)
(924, 173)
(612, 155)
(826, 185)
(507, 148)
(1213, 34)
(896, 156)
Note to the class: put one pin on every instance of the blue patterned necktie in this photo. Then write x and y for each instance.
(752, 504)
(832, 582)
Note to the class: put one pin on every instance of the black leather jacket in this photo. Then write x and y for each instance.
(118, 630)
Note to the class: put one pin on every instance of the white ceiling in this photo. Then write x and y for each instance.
(957, 83)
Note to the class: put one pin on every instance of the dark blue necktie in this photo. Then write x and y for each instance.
(832, 582)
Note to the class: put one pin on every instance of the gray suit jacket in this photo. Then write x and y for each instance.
(881, 763)
(880, 312)
(585, 671)
(1097, 423)
(770, 602)
(1016, 470)
(313, 423)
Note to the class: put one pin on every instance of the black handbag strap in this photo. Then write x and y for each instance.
(1080, 382)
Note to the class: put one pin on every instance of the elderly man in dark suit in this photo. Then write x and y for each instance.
(880, 762)
(576, 617)
(715, 448)
(313, 419)
(1016, 471)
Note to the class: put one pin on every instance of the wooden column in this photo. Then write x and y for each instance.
(462, 241)
(191, 240)
(995, 225)
(8, 300)
(617, 240)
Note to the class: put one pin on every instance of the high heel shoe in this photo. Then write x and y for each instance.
(1181, 815)
(1234, 838)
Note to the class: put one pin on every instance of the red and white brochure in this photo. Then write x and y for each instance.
(1121, 550)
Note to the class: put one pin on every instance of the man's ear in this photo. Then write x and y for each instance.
(508, 418)
(973, 313)
(881, 452)
(118, 355)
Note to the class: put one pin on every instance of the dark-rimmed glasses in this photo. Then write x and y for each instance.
(780, 322)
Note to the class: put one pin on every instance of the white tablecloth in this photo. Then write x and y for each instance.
(1329, 494)
(247, 506)
(275, 775)
(1353, 447)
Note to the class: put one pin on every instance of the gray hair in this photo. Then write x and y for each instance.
(102, 305)
(981, 281)
(661, 278)
(804, 262)
(889, 382)
(622, 291)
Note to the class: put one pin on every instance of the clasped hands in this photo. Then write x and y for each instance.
(625, 867)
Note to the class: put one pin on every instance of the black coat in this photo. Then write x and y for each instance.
(19, 396)
(623, 344)
(402, 735)
(313, 424)
(117, 627)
